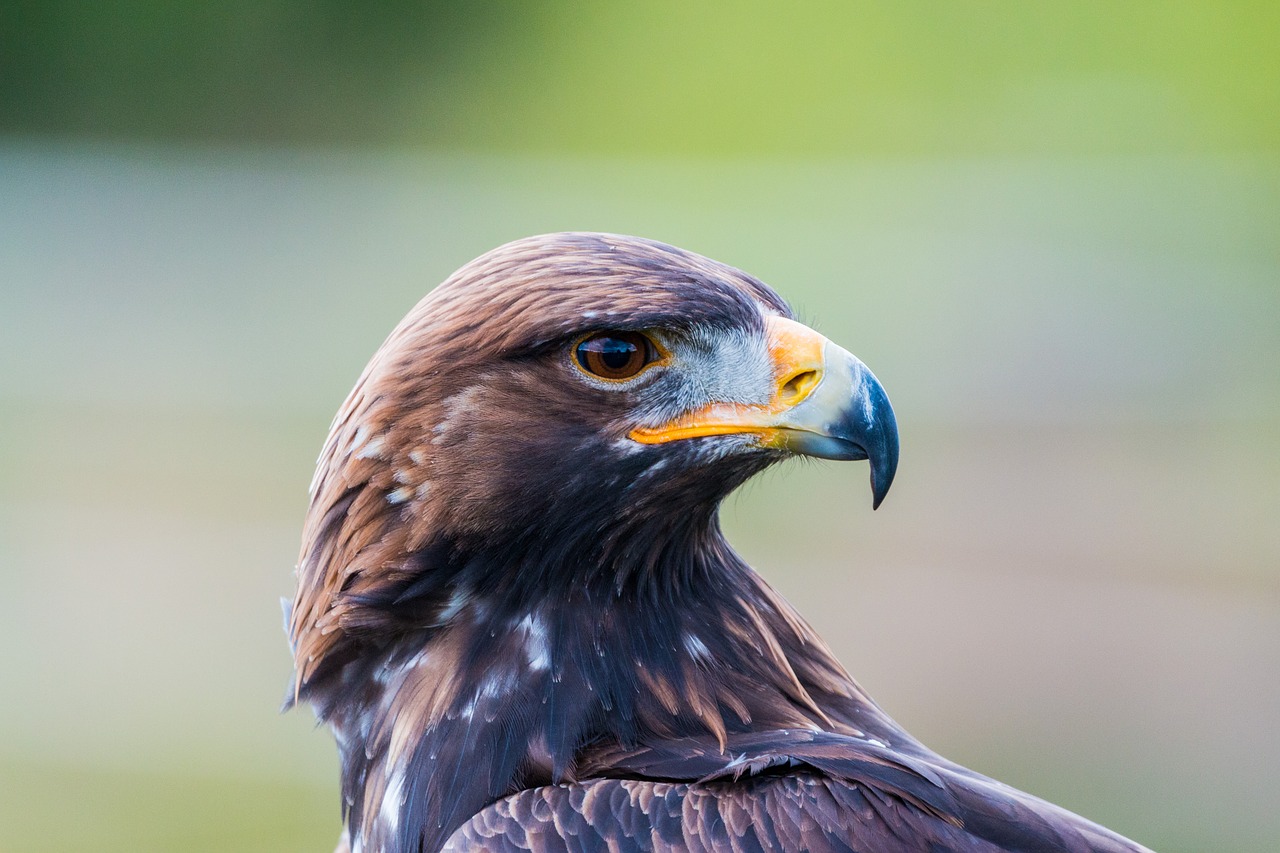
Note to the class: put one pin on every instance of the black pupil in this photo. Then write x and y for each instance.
(616, 353)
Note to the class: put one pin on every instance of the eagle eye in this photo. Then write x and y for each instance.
(615, 355)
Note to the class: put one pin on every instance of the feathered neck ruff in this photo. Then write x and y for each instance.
(484, 670)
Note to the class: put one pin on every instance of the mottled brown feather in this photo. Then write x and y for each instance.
(527, 632)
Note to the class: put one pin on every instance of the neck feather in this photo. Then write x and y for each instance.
(482, 693)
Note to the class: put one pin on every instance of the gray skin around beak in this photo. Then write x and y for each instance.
(826, 404)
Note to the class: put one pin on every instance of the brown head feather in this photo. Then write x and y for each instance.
(370, 506)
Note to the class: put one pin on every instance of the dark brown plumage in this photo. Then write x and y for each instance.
(517, 613)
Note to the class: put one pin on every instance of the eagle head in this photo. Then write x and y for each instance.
(530, 465)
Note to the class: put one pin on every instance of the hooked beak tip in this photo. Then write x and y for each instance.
(881, 440)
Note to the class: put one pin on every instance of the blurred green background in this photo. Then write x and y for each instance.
(1053, 230)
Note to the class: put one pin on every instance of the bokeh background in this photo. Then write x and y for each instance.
(1053, 230)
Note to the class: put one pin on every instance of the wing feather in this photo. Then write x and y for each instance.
(785, 791)
(798, 812)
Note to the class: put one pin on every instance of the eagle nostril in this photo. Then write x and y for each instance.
(797, 387)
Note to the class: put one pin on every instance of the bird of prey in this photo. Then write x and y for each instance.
(519, 617)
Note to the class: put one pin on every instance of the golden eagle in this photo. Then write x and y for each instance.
(518, 615)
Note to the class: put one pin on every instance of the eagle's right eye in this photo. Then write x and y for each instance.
(615, 355)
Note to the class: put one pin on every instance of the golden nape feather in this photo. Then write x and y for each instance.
(518, 615)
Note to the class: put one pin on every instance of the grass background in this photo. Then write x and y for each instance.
(1050, 230)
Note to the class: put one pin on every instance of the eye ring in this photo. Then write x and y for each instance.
(615, 356)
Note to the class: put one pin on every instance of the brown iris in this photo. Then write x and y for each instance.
(615, 355)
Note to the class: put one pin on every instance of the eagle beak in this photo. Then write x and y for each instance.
(825, 403)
